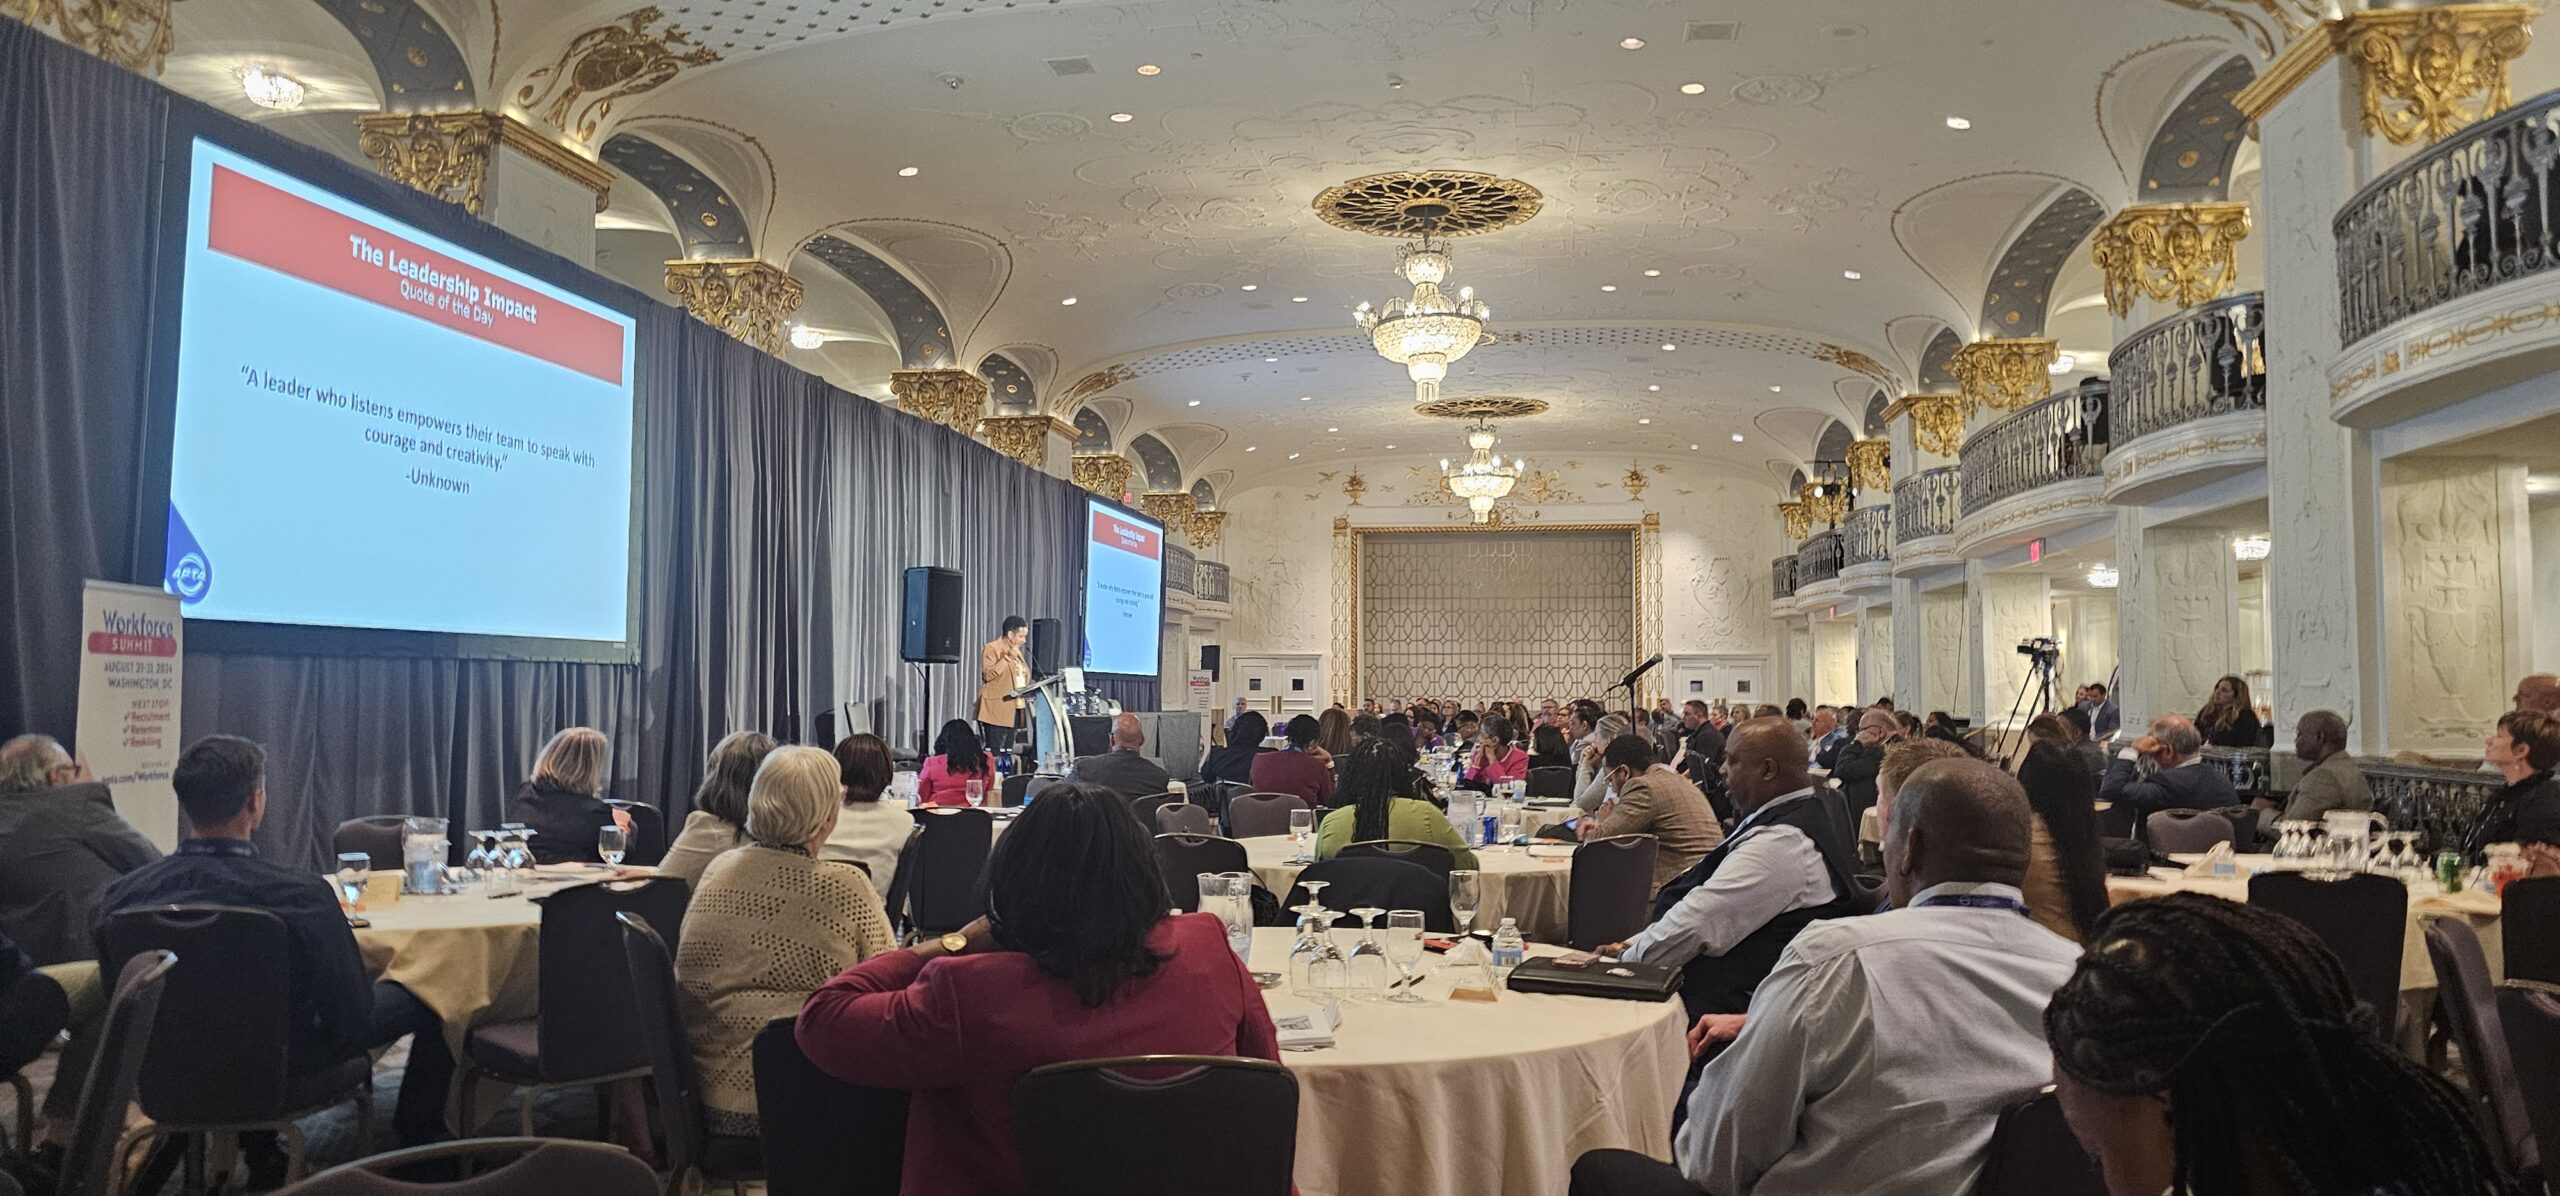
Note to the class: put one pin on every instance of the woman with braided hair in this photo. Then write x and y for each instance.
(2210, 1048)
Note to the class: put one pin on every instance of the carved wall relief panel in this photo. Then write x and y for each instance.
(1943, 676)
(2188, 594)
(2014, 609)
(2445, 617)
(1835, 662)
(1875, 655)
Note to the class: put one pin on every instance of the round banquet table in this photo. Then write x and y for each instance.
(1455, 1098)
(1514, 884)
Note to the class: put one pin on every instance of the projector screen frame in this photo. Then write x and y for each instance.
(170, 186)
(1084, 581)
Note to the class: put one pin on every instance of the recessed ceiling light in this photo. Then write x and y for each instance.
(1391, 446)
(906, 172)
(1250, 286)
(1644, 421)
(1252, 448)
(1693, 448)
(1150, 69)
(1297, 298)
(1631, 43)
(1122, 118)
(1293, 456)
(1668, 347)
(1655, 386)
(1333, 429)
(1069, 301)
(1851, 275)
(1777, 390)
(1653, 273)
(271, 89)
(1192, 403)
(1607, 287)
(1304, 398)
(1737, 438)
(1959, 123)
(1270, 359)
(1690, 89)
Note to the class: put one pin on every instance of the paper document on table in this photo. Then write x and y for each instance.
(1306, 1027)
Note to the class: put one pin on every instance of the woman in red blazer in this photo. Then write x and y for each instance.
(1076, 959)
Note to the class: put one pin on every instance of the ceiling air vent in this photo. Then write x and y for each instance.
(1075, 66)
(1713, 31)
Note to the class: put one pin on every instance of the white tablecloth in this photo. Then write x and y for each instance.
(1462, 1099)
(1513, 883)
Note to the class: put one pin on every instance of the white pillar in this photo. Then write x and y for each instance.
(1875, 653)
(1946, 681)
(1835, 662)
(1911, 653)
(2005, 609)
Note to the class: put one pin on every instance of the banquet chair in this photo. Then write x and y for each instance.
(2469, 1007)
(1609, 896)
(1184, 857)
(216, 1061)
(2529, 1010)
(1145, 808)
(2530, 920)
(1039, 781)
(376, 835)
(34, 1012)
(2186, 830)
(1550, 781)
(1157, 1125)
(1440, 860)
(894, 902)
(2032, 1153)
(822, 1136)
(1183, 818)
(90, 1161)
(732, 1159)
(1255, 815)
(1009, 794)
(586, 1028)
(648, 843)
(1385, 883)
(948, 866)
(538, 1167)
(2362, 918)
(2117, 821)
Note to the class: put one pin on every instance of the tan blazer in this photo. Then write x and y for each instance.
(1001, 670)
(1663, 804)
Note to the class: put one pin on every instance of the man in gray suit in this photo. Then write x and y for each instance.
(2181, 780)
(2330, 778)
(61, 844)
(1124, 769)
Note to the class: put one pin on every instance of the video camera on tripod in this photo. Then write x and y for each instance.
(2035, 691)
(2046, 652)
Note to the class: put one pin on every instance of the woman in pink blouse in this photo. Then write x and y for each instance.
(957, 760)
(1495, 759)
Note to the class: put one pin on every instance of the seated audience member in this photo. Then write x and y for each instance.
(563, 801)
(336, 1013)
(2066, 883)
(2180, 780)
(1582, 726)
(2088, 751)
(28, 993)
(2228, 719)
(1125, 769)
(1935, 1005)
(1824, 736)
(1590, 775)
(2210, 1047)
(1333, 732)
(1233, 762)
(1363, 729)
(769, 923)
(1495, 759)
(61, 845)
(1426, 729)
(2523, 749)
(1462, 731)
(1702, 752)
(869, 831)
(1368, 807)
(1854, 768)
(1900, 761)
(2539, 693)
(2106, 716)
(1654, 800)
(1547, 749)
(1784, 865)
(2330, 778)
(1076, 959)
(1297, 770)
(719, 818)
(1801, 718)
(1911, 728)
(958, 758)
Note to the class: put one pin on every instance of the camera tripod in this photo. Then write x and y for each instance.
(2037, 686)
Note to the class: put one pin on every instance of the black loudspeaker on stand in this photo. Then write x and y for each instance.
(1048, 642)
(930, 631)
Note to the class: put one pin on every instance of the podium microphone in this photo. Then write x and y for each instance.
(1640, 670)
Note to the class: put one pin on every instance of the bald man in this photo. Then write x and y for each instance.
(1936, 1004)
(1124, 769)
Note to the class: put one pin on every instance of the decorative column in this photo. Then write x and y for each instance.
(2181, 255)
(134, 34)
(497, 168)
(1876, 663)
(2428, 72)
(1106, 474)
(1202, 527)
(1030, 439)
(1172, 508)
(744, 297)
(2003, 610)
(2003, 374)
(953, 398)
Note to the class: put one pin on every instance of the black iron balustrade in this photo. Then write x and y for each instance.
(2474, 210)
(2440, 802)
(2248, 769)
(2055, 439)
(1782, 577)
(1818, 559)
(2202, 362)
(1868, 535)
(1211, 577)
(1180, 568)
(1924, 504)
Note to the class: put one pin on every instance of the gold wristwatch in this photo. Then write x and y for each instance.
(954, 943)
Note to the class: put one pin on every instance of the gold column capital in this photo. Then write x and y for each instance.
(1106, 474)
(1871, 464)
(952, 398)
(743, 297)
(1937, 421)
(1202, 528)
(2182, 254)
(1172, 508)
(1024, 438)
(2427, 72)
(448, 154)
(2003, 374)
(1799, 521)
(134, 34)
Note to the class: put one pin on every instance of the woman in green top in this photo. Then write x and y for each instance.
(1369, 809)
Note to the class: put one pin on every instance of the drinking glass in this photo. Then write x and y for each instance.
(1466, 894)
(977, 791)
(1315, 964)
(1404, 949)
(1302, 825)
(611, 842)
(1508, 824)
(1366, 972)
(354, 869)
(513, 846)
(1229, 895)
(479, 859)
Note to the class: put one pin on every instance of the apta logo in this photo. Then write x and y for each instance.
(190, 576)
(190, 571)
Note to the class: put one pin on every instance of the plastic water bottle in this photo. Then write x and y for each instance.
(1508, 949)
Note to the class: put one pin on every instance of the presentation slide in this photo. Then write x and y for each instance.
(1123, 591)
(376, 428)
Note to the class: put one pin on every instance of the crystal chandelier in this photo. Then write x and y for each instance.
(1427, 331)
(2251, 548)
(1482, 479)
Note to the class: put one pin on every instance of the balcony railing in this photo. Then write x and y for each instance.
(2442, 802)
(1818, 559)
(1782, 577)
(2202, 362)
(2054, 439)
(1924, 504)
(1868, 535)
(1211, 577)
(1180, 568)
(2463, 215)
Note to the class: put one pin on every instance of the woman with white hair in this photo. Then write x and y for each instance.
(563, 801)
(769, 923)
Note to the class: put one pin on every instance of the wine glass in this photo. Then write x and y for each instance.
(977, 791)
(611, 842)
(1302, 825)
(1367, 969)
(479, 859)
(512, 845)
(1404, 949)
(354, 869)
(1466, 894)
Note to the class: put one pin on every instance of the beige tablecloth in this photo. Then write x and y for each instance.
(1514, 884)
(470, 958)
(2478, 908)
(1462, 1099)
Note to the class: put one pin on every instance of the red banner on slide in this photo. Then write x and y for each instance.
(1111, 530)
(282, 231)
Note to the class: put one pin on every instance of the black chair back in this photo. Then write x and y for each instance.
(115, 1071)
(2172, 831)
(822, 1136)
(1385, 883)
(1609, 896)
(218, 1049)
(950, 867)
(1157, 1125)
(1010, 793)
(32, 1012)
(533, 1167)
(648, 843)
(894, 902)
(1182, 858)
(2032, 1153)
(1438, 859)
(1254, 815)
(1553, 780)
(2362, 918)
(376, 835)
(672, 1072)
(2529, 921)
(2117, 821)
(2470, 1010)
(2529, 1010)
(592, 1027)
(1145, 808)
(1184, 818)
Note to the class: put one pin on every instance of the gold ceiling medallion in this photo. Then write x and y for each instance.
(1474, 407)
(1106, 474)
(952, 398)
(1202, 528)
(2429, 71)
(1798, 520)
(608, 63)
(2181, 254)
(743, 297)
(133, 34)
(1434, 203)
(2003, 374)
(1937, 421)
(1871, 464)
(445, 154)
(1172, 508)
(1024, 438)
